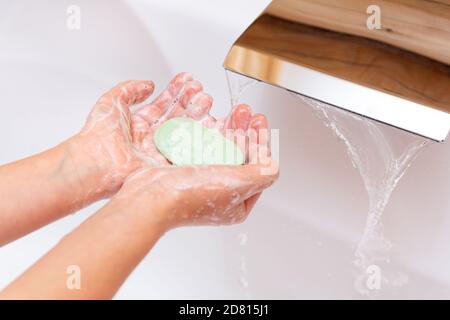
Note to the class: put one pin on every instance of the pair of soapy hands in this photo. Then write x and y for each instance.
(119, 139)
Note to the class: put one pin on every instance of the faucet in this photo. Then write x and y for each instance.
(388, 62)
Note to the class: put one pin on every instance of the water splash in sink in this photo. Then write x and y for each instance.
(382, 155)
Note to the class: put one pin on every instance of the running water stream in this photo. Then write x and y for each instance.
(237, 85)
(380, 153)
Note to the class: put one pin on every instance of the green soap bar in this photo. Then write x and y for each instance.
(184, 141)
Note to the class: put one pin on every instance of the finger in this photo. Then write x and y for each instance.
(258, 139)
(236, 126)
(128, 93)
(189, 91)
(259, 121)
(239, 117)
(177, 107)
(199, 106)
(165, 98)
(151, 114)
(172, 90)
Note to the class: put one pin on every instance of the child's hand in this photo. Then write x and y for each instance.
(117, 140)
(202, 195)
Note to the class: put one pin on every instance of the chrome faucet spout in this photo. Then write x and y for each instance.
(398, 74)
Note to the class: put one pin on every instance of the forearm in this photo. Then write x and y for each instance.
(105, 249)
(45, 187)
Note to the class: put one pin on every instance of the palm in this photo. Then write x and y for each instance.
(121, 139)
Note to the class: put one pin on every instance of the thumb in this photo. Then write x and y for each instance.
(254, 178)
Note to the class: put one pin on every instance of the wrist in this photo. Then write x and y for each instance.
(83, 169)
(140, 214)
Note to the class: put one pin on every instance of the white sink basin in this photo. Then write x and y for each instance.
(303, 231)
